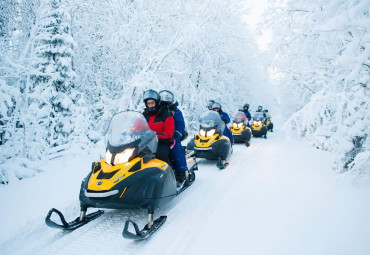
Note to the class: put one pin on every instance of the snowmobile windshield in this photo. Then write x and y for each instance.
(128, 127)
(240, 117)
(211, 120)
(258, 116)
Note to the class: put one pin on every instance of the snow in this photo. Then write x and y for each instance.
(278, 196)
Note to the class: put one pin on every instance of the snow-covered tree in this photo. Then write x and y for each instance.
(52, 94)
(322, 49)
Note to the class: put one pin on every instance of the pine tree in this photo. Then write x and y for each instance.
(52, 94)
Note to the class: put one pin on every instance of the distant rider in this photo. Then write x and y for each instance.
(177, 153)
(267, 114)
(160, 121)
(247, 113)
(260, 109)
(225, 118)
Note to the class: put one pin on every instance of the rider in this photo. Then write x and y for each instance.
(177, 153)
(160, 121)
(225, 117)
(247, 113)
(260, 109)
(267, 114)
(209, 104)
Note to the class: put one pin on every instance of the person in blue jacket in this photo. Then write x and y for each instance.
(225, 117)
(177, 152)
(247, 113)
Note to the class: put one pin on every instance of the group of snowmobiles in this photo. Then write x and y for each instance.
(130, 177)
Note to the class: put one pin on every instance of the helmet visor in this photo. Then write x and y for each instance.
(166, 96)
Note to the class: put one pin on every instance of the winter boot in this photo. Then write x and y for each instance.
(181, 178)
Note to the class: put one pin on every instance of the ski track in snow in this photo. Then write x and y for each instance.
(248, 208)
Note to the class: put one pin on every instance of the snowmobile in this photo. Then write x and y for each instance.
(209, 143)
(269, 125)
(268, 121)
(241, 132)
(258, 125)
(129, 177)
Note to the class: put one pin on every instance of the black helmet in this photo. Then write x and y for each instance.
(166, 96)
(216, 106)
(151, 94)
(266, 110)
(209, 104)
(260, 108)
(246, 105)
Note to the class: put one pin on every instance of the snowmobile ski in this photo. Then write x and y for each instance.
(146, 232)
(73, 224)
(221, 164)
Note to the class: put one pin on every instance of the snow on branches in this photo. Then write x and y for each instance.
(326, 46)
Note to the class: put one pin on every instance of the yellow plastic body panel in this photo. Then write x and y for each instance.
(256, 126)
(122, 173)
(236, 130)
(205, 141)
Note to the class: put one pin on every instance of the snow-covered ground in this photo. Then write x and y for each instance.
(278, 196)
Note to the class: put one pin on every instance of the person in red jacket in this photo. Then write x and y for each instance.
(160, 121)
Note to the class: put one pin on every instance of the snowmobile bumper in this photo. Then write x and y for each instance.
(243, 137)
(259, 132)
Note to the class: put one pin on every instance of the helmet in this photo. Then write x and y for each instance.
(246, 105)
(266, 110)
(259, 108)
(209, 104)
(216, 106)
(151, 94)
(166, 96)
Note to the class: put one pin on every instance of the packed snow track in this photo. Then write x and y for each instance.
(277, 196)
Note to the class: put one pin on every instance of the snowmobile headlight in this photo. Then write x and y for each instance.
(211, 132)
(240, 125)
(202, 132)
(108, 157)
(123, 157)
(235, 124)
(259, 122)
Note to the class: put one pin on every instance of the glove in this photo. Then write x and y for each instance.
(172, 143)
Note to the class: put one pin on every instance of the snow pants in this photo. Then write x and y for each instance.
(178, 156)
(228, 133)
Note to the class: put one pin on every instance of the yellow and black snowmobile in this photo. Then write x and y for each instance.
(241, 132)
(209, 143)
(259, 128)
(269, 123)
(128, 177)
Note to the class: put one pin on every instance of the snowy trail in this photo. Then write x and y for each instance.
(276, 197)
